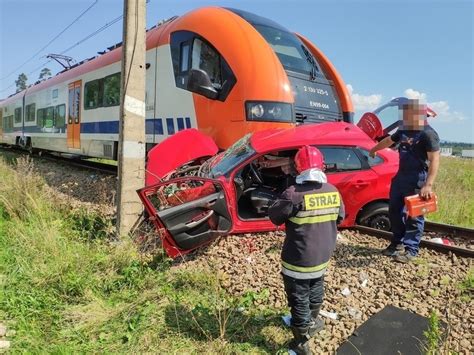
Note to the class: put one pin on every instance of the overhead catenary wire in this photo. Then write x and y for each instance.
(96, 32)
(51, 41)
(107, 25)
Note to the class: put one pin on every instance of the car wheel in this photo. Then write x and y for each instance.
(376, 216)
(380, 221)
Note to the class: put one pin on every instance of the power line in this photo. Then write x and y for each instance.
(31, 72)
(107, 25)
(51, 41)
(96, 32)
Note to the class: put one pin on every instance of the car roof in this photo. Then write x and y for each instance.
(331, 133)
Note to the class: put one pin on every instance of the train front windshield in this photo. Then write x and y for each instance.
(292, 53)
(315, 96)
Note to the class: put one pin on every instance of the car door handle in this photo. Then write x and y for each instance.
(195, 222)
(211, 203)
(361, 183)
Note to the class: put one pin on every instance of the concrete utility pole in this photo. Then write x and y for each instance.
(131, 155)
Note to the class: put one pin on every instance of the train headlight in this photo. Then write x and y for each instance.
(257, 111)
(269, 111)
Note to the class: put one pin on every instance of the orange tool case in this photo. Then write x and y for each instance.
(417, 206)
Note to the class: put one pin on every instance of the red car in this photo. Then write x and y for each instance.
(195, 194)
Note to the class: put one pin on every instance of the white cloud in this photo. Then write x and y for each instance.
(364, 102)
(413, 94)
(442, 109)
(444, 112)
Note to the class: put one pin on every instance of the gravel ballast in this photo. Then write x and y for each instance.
(359, 283)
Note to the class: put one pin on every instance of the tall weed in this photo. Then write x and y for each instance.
(455, 190)
(66, 287)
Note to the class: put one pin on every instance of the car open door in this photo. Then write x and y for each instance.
(382, 121)
(187, 212)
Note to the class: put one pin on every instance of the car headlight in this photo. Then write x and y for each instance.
(269, 111)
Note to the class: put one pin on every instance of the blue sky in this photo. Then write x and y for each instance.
(382, 49)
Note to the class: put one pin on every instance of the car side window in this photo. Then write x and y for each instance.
(371, 161)
(338, 159)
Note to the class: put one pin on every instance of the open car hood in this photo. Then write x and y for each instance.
(182, 147)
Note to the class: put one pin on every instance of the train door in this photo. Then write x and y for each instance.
(74, 115)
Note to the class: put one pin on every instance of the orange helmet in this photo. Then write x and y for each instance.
(308, 157)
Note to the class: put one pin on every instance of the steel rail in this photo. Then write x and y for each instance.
(81, 163)
(469, 253)
(73, 161)
(455, 231)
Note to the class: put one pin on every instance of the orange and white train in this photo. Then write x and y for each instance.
(224, 71)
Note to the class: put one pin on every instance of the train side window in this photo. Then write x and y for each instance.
(112, 90)
(8, 122)
(18, 115)
(30, 112)
(184, 57)
(60, 116)
(206, 58)
(40, 116)
(190, 50)
(92, 94)
(48, 118)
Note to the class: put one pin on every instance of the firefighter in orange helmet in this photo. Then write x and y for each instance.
(310, 210)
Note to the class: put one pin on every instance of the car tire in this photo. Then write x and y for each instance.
(375, 216)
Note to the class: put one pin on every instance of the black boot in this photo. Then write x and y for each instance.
(317, 323)
(300, 344)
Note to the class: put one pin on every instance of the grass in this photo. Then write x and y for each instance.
(66, 286)
(455, 189)
(467, 286)
(433, 336)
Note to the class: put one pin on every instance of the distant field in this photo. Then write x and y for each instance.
(455, 189)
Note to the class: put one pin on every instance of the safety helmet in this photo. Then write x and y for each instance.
(308, 157)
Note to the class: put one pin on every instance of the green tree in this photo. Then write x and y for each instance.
(44, 74)
(21, 82)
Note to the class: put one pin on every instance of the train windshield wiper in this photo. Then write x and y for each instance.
(311, 61)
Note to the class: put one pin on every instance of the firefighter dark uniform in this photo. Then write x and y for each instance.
(410, 178)
(310, 210)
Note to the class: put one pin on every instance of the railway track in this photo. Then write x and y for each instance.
(71, 160)
(81, 163)
(458, 236)
(444, 231)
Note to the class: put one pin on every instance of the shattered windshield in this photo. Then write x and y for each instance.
(224, 162)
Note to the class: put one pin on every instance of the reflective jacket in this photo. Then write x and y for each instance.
(310, 212)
